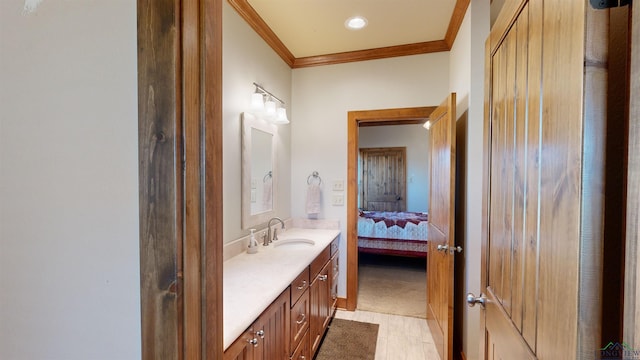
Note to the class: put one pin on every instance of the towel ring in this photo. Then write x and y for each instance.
(314, 176)
(267, 176)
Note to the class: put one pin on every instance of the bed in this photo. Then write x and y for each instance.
(393, 233)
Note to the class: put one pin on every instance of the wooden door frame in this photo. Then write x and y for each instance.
(631, 326)
(355, 119)
(180, 162)
(403, 149)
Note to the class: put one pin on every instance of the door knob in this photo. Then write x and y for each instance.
(452, 249)
(472, 300)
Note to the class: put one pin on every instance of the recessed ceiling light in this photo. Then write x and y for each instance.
(355, 23)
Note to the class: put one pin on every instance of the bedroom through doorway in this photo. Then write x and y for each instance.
(393, 185)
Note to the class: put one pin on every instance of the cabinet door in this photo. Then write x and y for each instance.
(299, 320)
(320, 301)
(334, 282)
(302, 351)
(272, 330)
(243, 348)
(315, 322)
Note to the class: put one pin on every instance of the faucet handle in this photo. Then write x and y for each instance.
(265, 240)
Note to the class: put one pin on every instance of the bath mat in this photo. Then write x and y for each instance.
(348, 339)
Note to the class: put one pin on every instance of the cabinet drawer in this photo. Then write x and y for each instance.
(299, 285)
(299, 319)
(320, 262)
(334, 246)
(335, 265)
(302, 351)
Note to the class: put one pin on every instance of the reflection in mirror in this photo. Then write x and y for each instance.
(258, 176)
(261, 171)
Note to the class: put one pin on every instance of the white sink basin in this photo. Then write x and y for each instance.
(294, 241)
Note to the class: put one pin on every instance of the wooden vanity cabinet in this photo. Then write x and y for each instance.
(268, 337)
(302, 351)
(292, 327)
(299, 309)
(322, 294)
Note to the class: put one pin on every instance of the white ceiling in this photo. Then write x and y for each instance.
(316, 27)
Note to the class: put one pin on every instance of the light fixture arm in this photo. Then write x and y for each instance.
(263, 91)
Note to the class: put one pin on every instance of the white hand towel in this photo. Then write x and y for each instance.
(267, 194)
(313, 199)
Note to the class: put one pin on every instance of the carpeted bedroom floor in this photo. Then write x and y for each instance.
(392, 285)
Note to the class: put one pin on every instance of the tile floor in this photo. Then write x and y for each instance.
(399, 337)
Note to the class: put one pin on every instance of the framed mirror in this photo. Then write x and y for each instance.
(258, 175)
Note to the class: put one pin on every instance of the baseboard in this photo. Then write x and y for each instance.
(462, 355)
(341, 303)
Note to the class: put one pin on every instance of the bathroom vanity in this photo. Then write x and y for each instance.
(279, 302)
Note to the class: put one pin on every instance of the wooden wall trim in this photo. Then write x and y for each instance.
(486, 195)
(592, 224)
(192, 213)
(180, 162)
(372, 54)
(249, 14)
(631, 326)
(456, 21)
(354, 118)
(212, 196)
(159, 134)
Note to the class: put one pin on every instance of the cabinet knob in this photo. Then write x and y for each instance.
(304, 284)
(260, 333)
(323, 277)
(253, 342)
(302, 317)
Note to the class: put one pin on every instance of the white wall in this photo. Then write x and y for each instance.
(416, 140)
(69, 258)
(467, 80)
(246, 59)
(323, 95)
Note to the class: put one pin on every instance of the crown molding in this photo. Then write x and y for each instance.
(249, 14)
(456, 21)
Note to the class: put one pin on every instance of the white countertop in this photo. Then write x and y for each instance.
(251, 282)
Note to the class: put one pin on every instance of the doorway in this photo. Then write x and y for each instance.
(355, 120)
(392, 223)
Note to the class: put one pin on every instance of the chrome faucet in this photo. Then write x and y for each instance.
(275, 231)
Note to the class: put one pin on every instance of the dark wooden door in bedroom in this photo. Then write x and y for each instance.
(383, 178)
(441, 253)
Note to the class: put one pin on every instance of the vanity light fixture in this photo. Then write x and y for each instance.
(267, 109)
(355, 23)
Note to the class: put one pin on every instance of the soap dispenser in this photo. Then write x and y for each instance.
(253, 243)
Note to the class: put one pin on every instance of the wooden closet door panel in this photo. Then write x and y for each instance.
(509, 215)
(509, 170)
(560, 185)
(497, 226)
(520, 177)
(533, 92)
